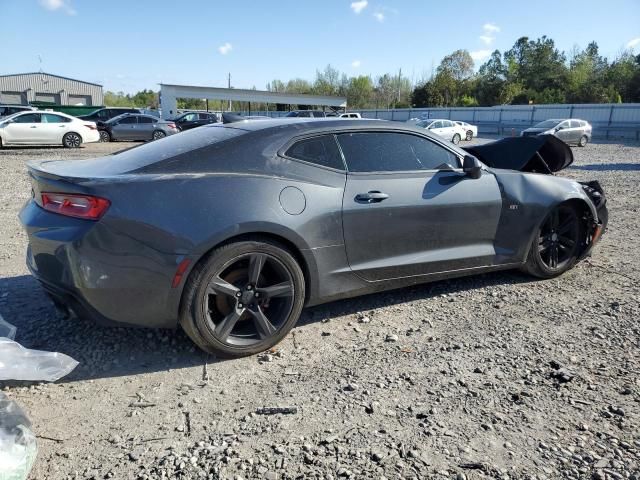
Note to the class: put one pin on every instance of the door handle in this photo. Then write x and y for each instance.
(373, 196)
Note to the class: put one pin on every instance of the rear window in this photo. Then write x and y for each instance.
(321, 150)
(169, 147)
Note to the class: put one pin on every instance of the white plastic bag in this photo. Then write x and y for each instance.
(19, 363)
(18, 447)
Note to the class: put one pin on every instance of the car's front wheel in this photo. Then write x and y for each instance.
(469, 135)
(556, 246)
(72, 140)
(243, 298)
(583, 141)
(456, 139)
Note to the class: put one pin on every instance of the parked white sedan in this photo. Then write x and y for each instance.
(46, 128)
(471, 130)
(444, 128)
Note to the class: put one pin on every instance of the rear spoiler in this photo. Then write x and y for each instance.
(539, 154)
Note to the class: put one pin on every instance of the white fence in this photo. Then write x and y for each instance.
(609, 120)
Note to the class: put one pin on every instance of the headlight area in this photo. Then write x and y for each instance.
(594, 191)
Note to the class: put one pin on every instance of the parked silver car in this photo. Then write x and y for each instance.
(571, 131)
(135, 126)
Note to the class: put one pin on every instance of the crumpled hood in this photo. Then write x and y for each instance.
(539, 154)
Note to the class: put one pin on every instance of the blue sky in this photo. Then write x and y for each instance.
(135, 44)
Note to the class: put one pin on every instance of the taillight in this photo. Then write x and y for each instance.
(72, 205)
(172, 125)
(90, 126)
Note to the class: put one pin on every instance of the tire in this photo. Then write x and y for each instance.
(456, 139)
(158, 134)
(105, 137)
(556, 245)
(583, 141)
(72, 140)
(469, 136)
(231, 306)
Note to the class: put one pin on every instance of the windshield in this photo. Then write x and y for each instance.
(548, 124)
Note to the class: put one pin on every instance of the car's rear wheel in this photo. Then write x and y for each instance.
(72, 140)
(456, 139)
(104, 136)
(583, 141)
(158, 134)
(556, 246)
(243, 299)
(469, 135)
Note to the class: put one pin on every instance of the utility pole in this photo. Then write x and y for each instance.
(399, 78)
(229, 86)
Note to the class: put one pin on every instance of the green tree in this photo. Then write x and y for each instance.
(360, 92)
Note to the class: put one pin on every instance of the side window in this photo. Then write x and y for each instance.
(436, 125)
(128, 120)
(105, 114)
(190, 117)
(393, 152)
(52, 118)
(28, 118)
(575, 124)
(145, 120)
(321, 150)
(447, 124)
(318, 114)
(564, 125)
(203, 116)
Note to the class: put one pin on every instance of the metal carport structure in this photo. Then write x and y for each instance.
(169, 94)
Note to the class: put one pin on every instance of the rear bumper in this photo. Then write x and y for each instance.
(101, 273)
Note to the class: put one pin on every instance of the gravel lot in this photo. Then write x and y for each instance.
(492, 376)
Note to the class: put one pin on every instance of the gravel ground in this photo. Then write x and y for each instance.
(492, 376)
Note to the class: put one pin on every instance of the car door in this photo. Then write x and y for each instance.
(437, 128)
(146, 126)
(189, 121)
(24, 129)
(448, 129)
(408, 208)
(575, 131)
(563, 131)
(124, 129)
(54, 127)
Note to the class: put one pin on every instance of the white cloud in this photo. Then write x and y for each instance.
(480, 55)
(54, 5)
(490, 28)
(356, 64)
(487, 39)
(224, 49)
(379, 16)
(489, 33)
(357, 7)
(633, 43)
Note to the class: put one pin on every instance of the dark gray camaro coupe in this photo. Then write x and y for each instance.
(231, 229)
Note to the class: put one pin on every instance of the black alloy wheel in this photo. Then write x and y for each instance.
(557, 245)
(249, 299)
(244, 299)
(469, 135)
(72, 140)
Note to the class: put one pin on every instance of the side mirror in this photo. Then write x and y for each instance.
(472, 166)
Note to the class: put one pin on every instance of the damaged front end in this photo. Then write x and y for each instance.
(547, 154)
(595, 226)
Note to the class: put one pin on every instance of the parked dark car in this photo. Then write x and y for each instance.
(132, 127)
(6, 110)
(189, 120)
(309, 114)
(104, 114)
(231, 229)
(571, 131)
